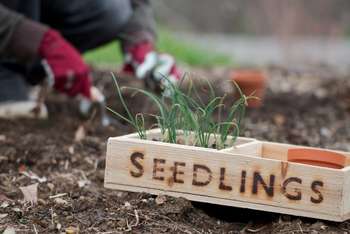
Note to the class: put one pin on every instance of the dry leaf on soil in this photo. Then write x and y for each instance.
(83, 183)
(160, 199)
(72, 230)
(279, 119)
(4, 204)
(71, 149)
(30, 193)
(80, 133)
(60, 201)
(3, 197)
(2, 138)
(9, 230)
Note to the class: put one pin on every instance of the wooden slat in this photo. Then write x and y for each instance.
(155, 134)
(154, 173)
(346, 194)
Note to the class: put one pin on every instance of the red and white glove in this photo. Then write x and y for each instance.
(142, 61)
(70, 73)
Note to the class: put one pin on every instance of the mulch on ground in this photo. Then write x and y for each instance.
(306, 108)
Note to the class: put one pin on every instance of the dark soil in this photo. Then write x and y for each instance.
(300, 108)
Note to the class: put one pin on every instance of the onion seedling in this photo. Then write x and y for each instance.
(195, 119)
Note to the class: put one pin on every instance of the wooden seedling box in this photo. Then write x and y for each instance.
(250, 174)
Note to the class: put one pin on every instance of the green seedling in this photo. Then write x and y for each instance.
(137, 121)
(187, 114)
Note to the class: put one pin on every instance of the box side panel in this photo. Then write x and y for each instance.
(224, 178)
(346, 195)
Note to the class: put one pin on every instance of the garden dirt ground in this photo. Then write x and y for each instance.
(308, 107)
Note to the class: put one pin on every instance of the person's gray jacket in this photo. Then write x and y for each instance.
(20, 35)
(9, 20)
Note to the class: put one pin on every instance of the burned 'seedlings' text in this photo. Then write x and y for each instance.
(178, 172)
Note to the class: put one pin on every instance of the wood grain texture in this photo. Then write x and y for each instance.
(346, 194)
(228, 177)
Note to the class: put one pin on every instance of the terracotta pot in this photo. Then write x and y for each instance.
(251, 82)
(322, 158)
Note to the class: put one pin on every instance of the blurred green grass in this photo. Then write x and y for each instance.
(183, 52)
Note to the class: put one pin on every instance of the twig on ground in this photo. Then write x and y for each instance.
(58, 195)
(80, 133)
(35, 231)
(137, 218)
(43, 92)
(301, 230)
(128, 225)
(51, 214)
(246, 227)
(110, 232)
(258, 229)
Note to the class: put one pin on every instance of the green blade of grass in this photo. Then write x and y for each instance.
(121, 98)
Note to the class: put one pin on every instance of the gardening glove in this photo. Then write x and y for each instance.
(157, 70)
(64, 63)
(31, 40)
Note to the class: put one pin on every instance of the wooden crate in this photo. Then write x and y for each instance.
(251, 174)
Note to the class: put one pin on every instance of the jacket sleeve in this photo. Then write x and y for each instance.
(141, 25)
(9, 20)
(20, 37)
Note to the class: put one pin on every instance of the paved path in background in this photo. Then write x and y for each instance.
(269, 50)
